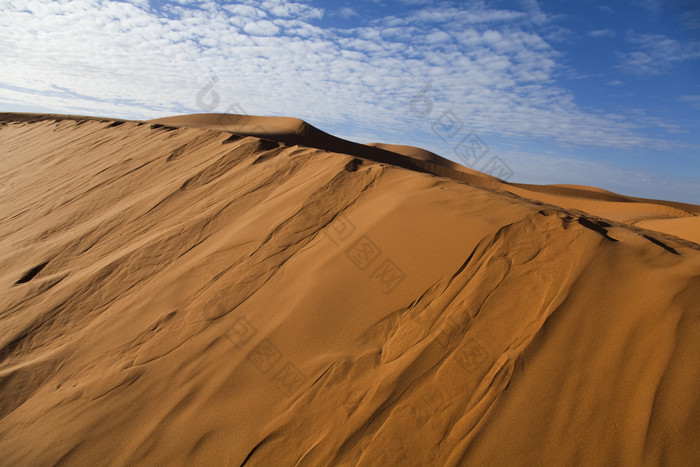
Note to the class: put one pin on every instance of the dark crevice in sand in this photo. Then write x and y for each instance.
(31, 274)
(661, 244)
(596, 227)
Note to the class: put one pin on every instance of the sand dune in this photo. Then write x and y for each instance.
(292, 131)
(599, 202)
(423, 155)
(176, 293)
(684, 227)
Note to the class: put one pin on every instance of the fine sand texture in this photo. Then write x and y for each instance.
(235, 290)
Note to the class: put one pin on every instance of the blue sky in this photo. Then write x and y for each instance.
(577, 92)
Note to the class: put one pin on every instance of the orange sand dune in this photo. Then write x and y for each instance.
(591, 193)
(173, 294)
(684, 227)
(423, 155)
(593, 200)
(292, 131)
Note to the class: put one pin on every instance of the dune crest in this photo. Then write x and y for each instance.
(599, 202)
(174, 293)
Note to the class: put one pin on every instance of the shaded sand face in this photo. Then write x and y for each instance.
(171, 293)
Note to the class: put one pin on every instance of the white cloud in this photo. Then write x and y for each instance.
(602, 33)
(487, 65)
(346, 12)
(691, 99)
(245, 11)
(261, 28)
(656, 54)
(437, 37)
(534, 12)
(286, 9)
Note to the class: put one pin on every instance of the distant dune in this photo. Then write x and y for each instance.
(231, 290)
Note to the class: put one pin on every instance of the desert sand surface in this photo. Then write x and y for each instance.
(603, 203)
(233, 290)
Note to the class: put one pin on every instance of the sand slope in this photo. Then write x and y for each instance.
(602, 203)
(187, 296)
